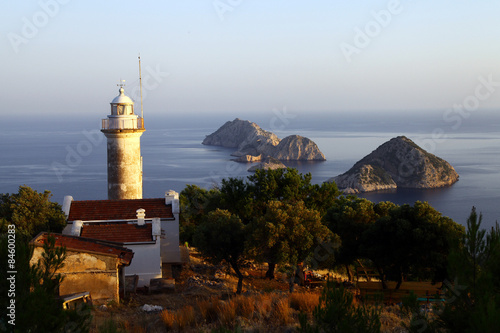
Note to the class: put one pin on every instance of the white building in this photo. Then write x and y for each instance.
(149, 227)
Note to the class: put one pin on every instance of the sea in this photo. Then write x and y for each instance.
(67, 155)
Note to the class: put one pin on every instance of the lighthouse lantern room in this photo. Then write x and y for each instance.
(123, 130)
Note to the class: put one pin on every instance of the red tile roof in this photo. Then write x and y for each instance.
(105, 210)
(118, 232)
(80, 244)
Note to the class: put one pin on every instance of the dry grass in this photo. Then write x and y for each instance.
(195, 308)
(304, 302)
(263, 304)
(245, 306)
(180, 320)
(209, 308)
(282, 312)
(168, 318)
(227, 314)
(185, 317)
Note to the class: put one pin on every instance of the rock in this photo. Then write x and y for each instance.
(268, 163)
(249, 158)
(254, 143)
(162, 285)
(298, 148)
(248, 137)
(397, 163)
(151, 308)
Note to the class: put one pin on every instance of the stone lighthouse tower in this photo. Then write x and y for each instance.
(123, 130)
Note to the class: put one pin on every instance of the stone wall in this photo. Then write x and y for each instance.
(82, 271)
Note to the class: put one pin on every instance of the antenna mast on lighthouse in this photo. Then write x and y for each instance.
(140, 86)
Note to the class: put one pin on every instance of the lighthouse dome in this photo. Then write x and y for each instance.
(122, 98)
(122, 105)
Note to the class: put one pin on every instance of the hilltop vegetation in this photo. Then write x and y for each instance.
(285, 220)
(279, 218)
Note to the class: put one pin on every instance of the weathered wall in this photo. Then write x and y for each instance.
(124, 164)
(91, 272)
(101, 285)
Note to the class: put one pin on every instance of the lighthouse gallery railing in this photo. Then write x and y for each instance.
(116, 123)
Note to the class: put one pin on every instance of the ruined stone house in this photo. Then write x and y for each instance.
(90, 266)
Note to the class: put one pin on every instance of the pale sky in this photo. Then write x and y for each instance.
(230, 56)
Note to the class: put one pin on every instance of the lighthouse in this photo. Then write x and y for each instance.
(123, 130)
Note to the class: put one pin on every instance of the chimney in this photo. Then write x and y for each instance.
(67, 204)
(156, 227)
(76, 230)
(141, 213)
(172, 198)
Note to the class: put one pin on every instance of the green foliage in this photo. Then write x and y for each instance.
(280, 184)
(31, 212)
(23, 253)
(349, 217)
(336, 312)
(286, 234)
(473, 300)
(249, 201)
(289, 185)
(236, 197)
(38, 309)
(418, 319)
(220, 237)
(195, 203)
(411, 241)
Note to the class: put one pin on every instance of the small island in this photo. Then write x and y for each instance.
(254, 144)
(398, 163)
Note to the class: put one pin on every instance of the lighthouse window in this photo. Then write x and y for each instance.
(120, 109)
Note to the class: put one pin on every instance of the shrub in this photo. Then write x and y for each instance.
(304, 302)
(265, 304)
(168, 318)
(208, 308)
(281, 311)
(227, 313)
(245, 306)
(185, 317)
(336, 312)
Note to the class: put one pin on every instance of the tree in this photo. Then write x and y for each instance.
(289, 185)
(195, 204)
(220, 237)
(410, 241)
(322, 197)
(349, 217)
(287, 234)
(36, 290)
(236, 197)
(280, 184)
(473, 300)
(32, 212)
(249, 199)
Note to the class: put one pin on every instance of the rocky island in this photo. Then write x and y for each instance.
(253, 144)
(398, 162)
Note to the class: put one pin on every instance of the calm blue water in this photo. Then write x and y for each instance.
(69, 157)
